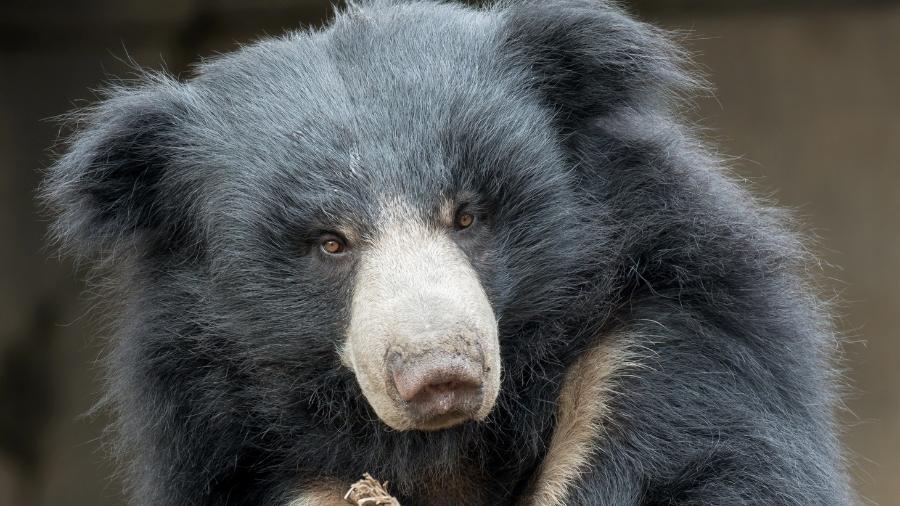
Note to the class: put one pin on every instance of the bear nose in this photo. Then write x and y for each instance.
(439, 389)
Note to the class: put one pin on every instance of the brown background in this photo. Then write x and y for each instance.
(808, 101)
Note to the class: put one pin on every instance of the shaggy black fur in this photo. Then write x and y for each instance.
(601, 218)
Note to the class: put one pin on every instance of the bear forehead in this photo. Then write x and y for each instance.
(369, 63)
(360, 104)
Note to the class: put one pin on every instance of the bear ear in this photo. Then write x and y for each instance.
(588, 58)
(113, 183)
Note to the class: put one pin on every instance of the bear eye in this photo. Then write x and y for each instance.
(464, 220)
(332, 245)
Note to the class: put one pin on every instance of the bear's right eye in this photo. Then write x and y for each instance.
(333, 245)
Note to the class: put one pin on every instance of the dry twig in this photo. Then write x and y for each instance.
(369, 492)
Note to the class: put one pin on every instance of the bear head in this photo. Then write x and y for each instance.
(388, 209)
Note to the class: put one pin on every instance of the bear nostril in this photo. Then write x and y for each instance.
(438, 384)
(435, 382)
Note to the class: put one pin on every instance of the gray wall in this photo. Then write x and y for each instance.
(807, 101)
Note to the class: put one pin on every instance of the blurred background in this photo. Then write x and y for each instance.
(808, 100)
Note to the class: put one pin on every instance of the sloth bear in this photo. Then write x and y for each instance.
(472, 251)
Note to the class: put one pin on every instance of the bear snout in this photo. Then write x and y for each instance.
(438, 389)
(422, 338)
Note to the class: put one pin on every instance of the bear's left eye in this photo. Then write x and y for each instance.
(464, 220)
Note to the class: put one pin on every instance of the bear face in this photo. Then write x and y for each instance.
(373, 137)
